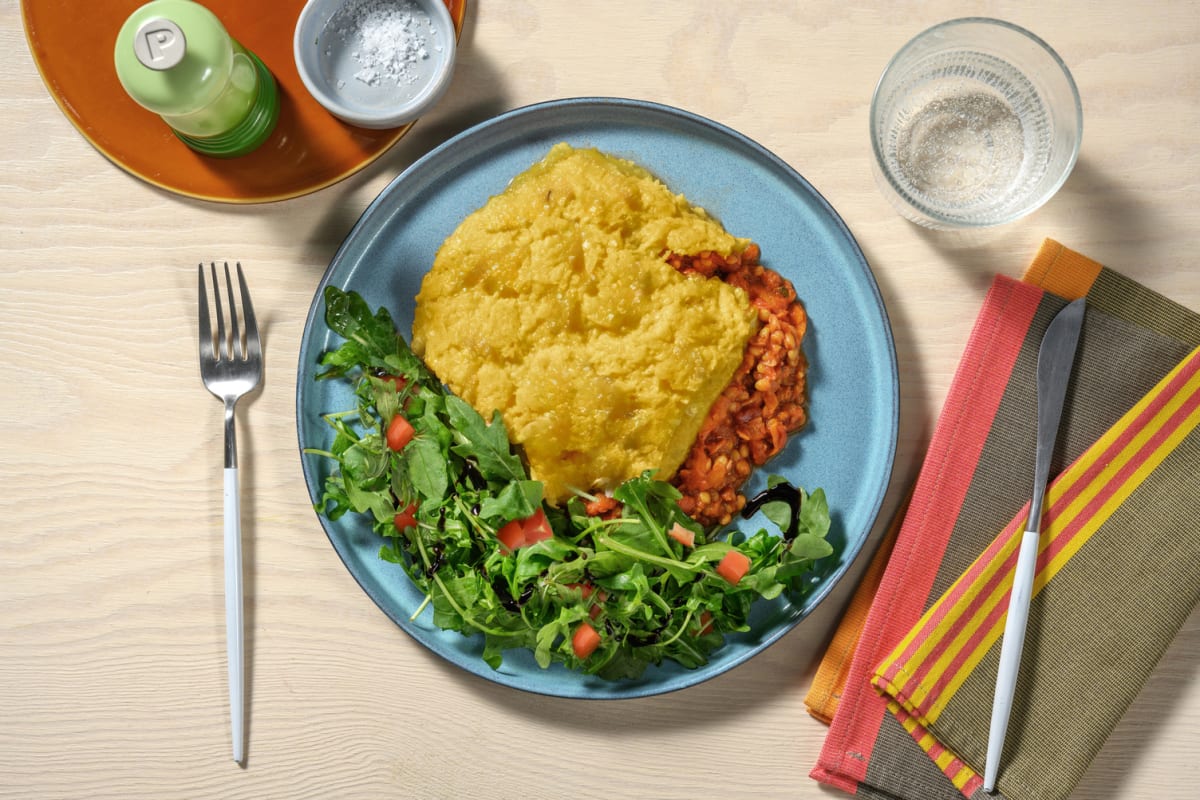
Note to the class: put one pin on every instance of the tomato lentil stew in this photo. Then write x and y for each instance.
(763, 403)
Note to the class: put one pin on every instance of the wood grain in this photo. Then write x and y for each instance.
(112, 681)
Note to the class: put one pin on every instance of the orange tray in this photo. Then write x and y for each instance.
(72, 44)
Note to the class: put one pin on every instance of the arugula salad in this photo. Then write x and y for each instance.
(454, 506)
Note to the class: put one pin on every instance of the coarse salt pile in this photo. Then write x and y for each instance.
(389, 37)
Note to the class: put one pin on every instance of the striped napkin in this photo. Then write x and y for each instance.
(1116, 575)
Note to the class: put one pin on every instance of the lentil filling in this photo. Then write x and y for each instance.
(763, 403)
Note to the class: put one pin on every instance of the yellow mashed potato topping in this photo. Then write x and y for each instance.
(555, 305)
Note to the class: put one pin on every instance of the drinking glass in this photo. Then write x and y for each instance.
(975, 122)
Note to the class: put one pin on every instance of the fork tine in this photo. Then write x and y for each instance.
(206, 337)
(253, 343)
(236, 350)
(221, 341)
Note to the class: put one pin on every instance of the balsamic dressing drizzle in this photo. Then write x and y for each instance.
(439, 558)
(506, 599)
(784, 492)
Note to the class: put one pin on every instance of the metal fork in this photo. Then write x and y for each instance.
(231, 366)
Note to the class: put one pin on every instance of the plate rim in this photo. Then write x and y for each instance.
(873, 504)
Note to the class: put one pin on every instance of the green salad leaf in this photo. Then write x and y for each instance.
(650, 598)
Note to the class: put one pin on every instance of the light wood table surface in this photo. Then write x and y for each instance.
(112, 651)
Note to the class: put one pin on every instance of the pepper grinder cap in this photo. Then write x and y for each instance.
(159, 44)
(173, 56)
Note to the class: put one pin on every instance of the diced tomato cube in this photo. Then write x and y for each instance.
(585, 640)
(685, 537)
(399, 432)
(733, 566)
(537, 527)
(511, 535)
(398, 382)
(406, 517)
(520, 532)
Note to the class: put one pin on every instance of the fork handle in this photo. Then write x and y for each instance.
(230, 435)
(233, 612)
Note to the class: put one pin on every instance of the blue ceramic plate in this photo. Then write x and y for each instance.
(847, 448)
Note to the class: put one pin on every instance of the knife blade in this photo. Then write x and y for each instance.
(1056, 356)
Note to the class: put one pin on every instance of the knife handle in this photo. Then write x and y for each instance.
(1010, 654)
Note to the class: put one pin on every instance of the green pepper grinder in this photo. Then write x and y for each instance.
(175, 58)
